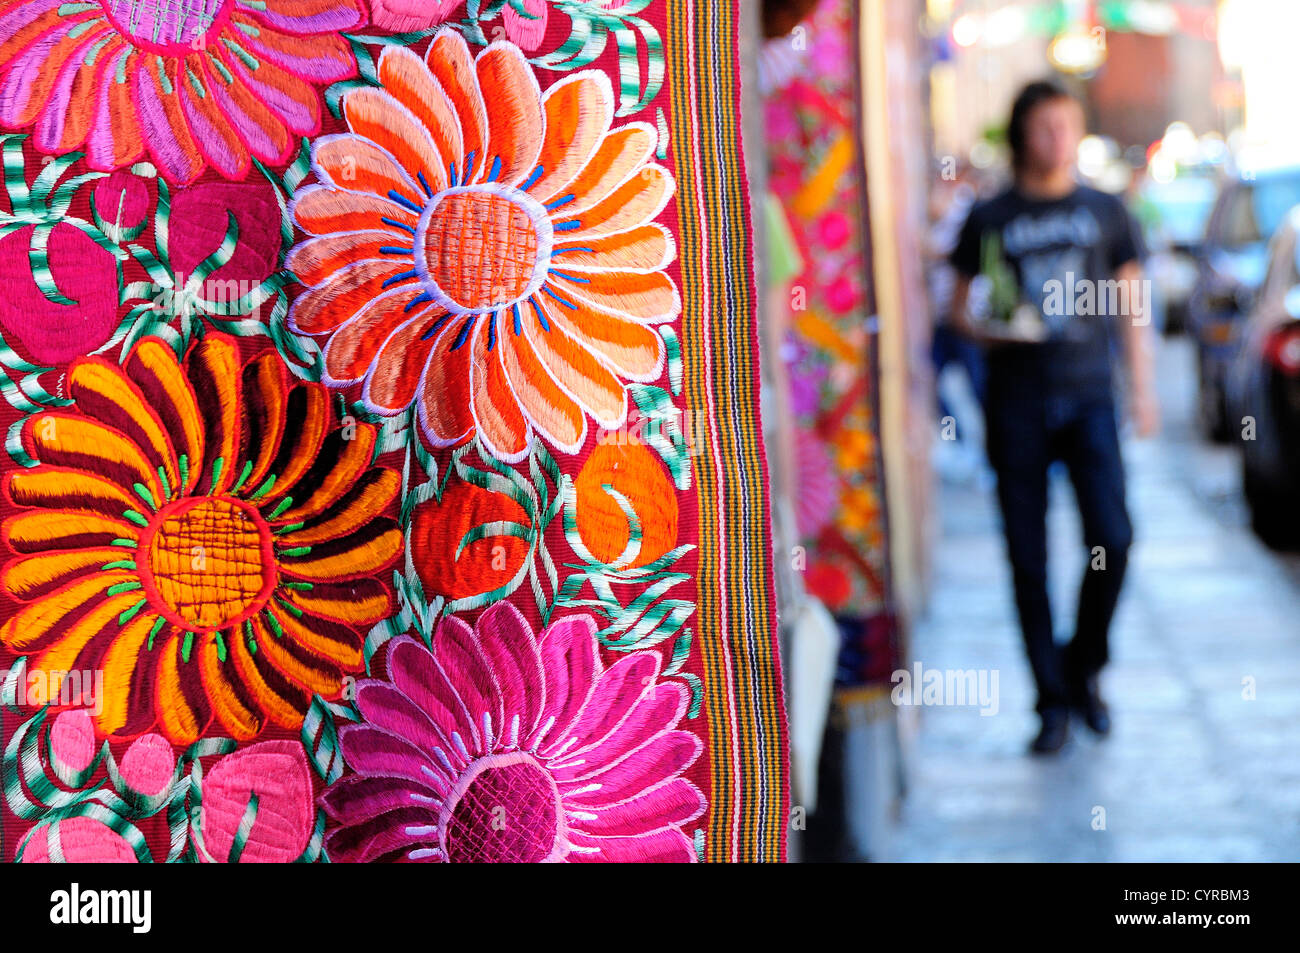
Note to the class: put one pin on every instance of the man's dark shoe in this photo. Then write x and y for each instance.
(1089, 704)
(1056, 729)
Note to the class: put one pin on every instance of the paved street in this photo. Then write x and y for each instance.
(1193, 771)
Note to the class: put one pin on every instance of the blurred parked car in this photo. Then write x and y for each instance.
(1264, 392)
(1234, 256)
(1173, 214)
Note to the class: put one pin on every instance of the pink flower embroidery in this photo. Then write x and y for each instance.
(72, 744)
(148, 765)
(500, 746)
(83, 840)
(408, 16)
(196, 83)
(524, 29)
(276, 773)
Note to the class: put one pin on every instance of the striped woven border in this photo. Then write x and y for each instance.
(749, 802)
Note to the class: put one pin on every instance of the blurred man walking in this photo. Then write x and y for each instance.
(1050, 281)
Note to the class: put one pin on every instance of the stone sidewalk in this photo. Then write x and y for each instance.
(1193, 770)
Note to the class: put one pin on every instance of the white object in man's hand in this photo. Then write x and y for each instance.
(1025, 327)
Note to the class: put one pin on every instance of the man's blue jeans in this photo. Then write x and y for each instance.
(1026, 433)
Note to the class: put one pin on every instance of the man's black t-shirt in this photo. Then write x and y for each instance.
(1063, 253)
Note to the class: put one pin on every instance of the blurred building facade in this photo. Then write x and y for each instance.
(1134, 63)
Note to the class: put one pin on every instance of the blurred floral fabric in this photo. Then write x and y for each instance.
(811, 89)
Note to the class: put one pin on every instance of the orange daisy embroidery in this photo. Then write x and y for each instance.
(486, 251)
(202, 535)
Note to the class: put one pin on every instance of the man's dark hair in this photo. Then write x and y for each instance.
(1035, 94)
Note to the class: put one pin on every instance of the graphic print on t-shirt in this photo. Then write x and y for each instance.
(1051, 252)
(1041, 274)
(1063, 252)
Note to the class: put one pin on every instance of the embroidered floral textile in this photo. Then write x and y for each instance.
(382, 474)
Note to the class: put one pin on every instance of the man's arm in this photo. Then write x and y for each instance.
(1139, 349)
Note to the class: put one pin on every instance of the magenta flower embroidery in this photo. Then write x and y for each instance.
(195, 84)
(500, 746)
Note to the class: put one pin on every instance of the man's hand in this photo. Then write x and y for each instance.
(1146, 412)
(970, 317)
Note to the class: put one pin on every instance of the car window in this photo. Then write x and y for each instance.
(1253, 210)
(1281, 274)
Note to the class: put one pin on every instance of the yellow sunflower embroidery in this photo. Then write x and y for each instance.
(203, 534)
